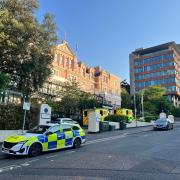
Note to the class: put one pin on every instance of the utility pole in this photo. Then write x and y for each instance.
(135, 110)
(77, 49)
(142, 103)
(26, 107)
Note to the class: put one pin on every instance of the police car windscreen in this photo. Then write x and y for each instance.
(39, 129)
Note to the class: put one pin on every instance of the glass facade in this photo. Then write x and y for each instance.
(157, 66)
(154, 59)
(171, 88)
(155, 74)
(156, 82)
(154, 66)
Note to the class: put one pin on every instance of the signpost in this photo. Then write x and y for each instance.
(26, 107)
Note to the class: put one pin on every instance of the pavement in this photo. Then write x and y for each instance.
(132, 154)
(139, 124)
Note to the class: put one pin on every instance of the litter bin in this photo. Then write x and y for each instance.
(122, 125)
(104, 126)
(111, 127)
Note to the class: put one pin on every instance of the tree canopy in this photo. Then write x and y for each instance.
(125, 85)
(25, 44)
(4, 81)
(154, 100)
(73, 100)
(125, 99)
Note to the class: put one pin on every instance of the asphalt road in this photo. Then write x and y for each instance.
(138, 154)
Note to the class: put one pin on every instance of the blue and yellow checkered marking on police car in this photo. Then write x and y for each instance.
(56, 140)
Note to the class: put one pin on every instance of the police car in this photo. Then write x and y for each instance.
(44, 138)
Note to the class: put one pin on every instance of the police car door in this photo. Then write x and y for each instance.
(67, 129)
(52, 136)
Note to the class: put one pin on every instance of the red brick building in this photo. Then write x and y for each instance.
(91, 79)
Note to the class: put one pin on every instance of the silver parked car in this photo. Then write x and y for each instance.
(66, 120)
(163, 123)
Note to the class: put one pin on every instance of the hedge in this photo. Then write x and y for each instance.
(116, 118)
(11, 117)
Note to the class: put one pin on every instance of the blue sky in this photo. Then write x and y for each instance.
(108, 30)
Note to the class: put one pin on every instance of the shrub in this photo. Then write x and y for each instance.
(11, 117)
(150, 117)
(116, 118)
(175, 111)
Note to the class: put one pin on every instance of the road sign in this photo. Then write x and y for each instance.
(26, 106)
(45, 114)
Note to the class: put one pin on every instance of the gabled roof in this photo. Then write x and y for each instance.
(65, 48)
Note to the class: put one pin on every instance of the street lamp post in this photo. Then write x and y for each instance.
(142, 103)
(135, 110)
(24, 117)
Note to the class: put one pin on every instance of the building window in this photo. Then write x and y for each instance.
(55, 72)
(92, 75)
(67, 62)
(155, 74)
(60, 60)
(115, 84)
(70, 63)
(83, 72)
(72, 78)
(154, 59)
(55, 57)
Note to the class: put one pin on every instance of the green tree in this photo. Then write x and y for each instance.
(154, 101)
(25, 44)
(150, 107)
(4, 81)
(163, 105)
(125, 99)
(73, 100)
(87, 101)
(153, 93)
(126, 85)
(175, 111)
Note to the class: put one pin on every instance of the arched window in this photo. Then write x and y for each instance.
(60, 60)
(55, 57)
(70, 63)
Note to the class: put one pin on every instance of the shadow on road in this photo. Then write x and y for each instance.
(9, 157)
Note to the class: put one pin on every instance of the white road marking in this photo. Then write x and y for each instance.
(70, 152)
(7, 168)
(51, 156)
(25, 164)
(32, 161)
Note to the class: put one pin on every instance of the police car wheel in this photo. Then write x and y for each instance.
(35, 150)
(77, 143)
